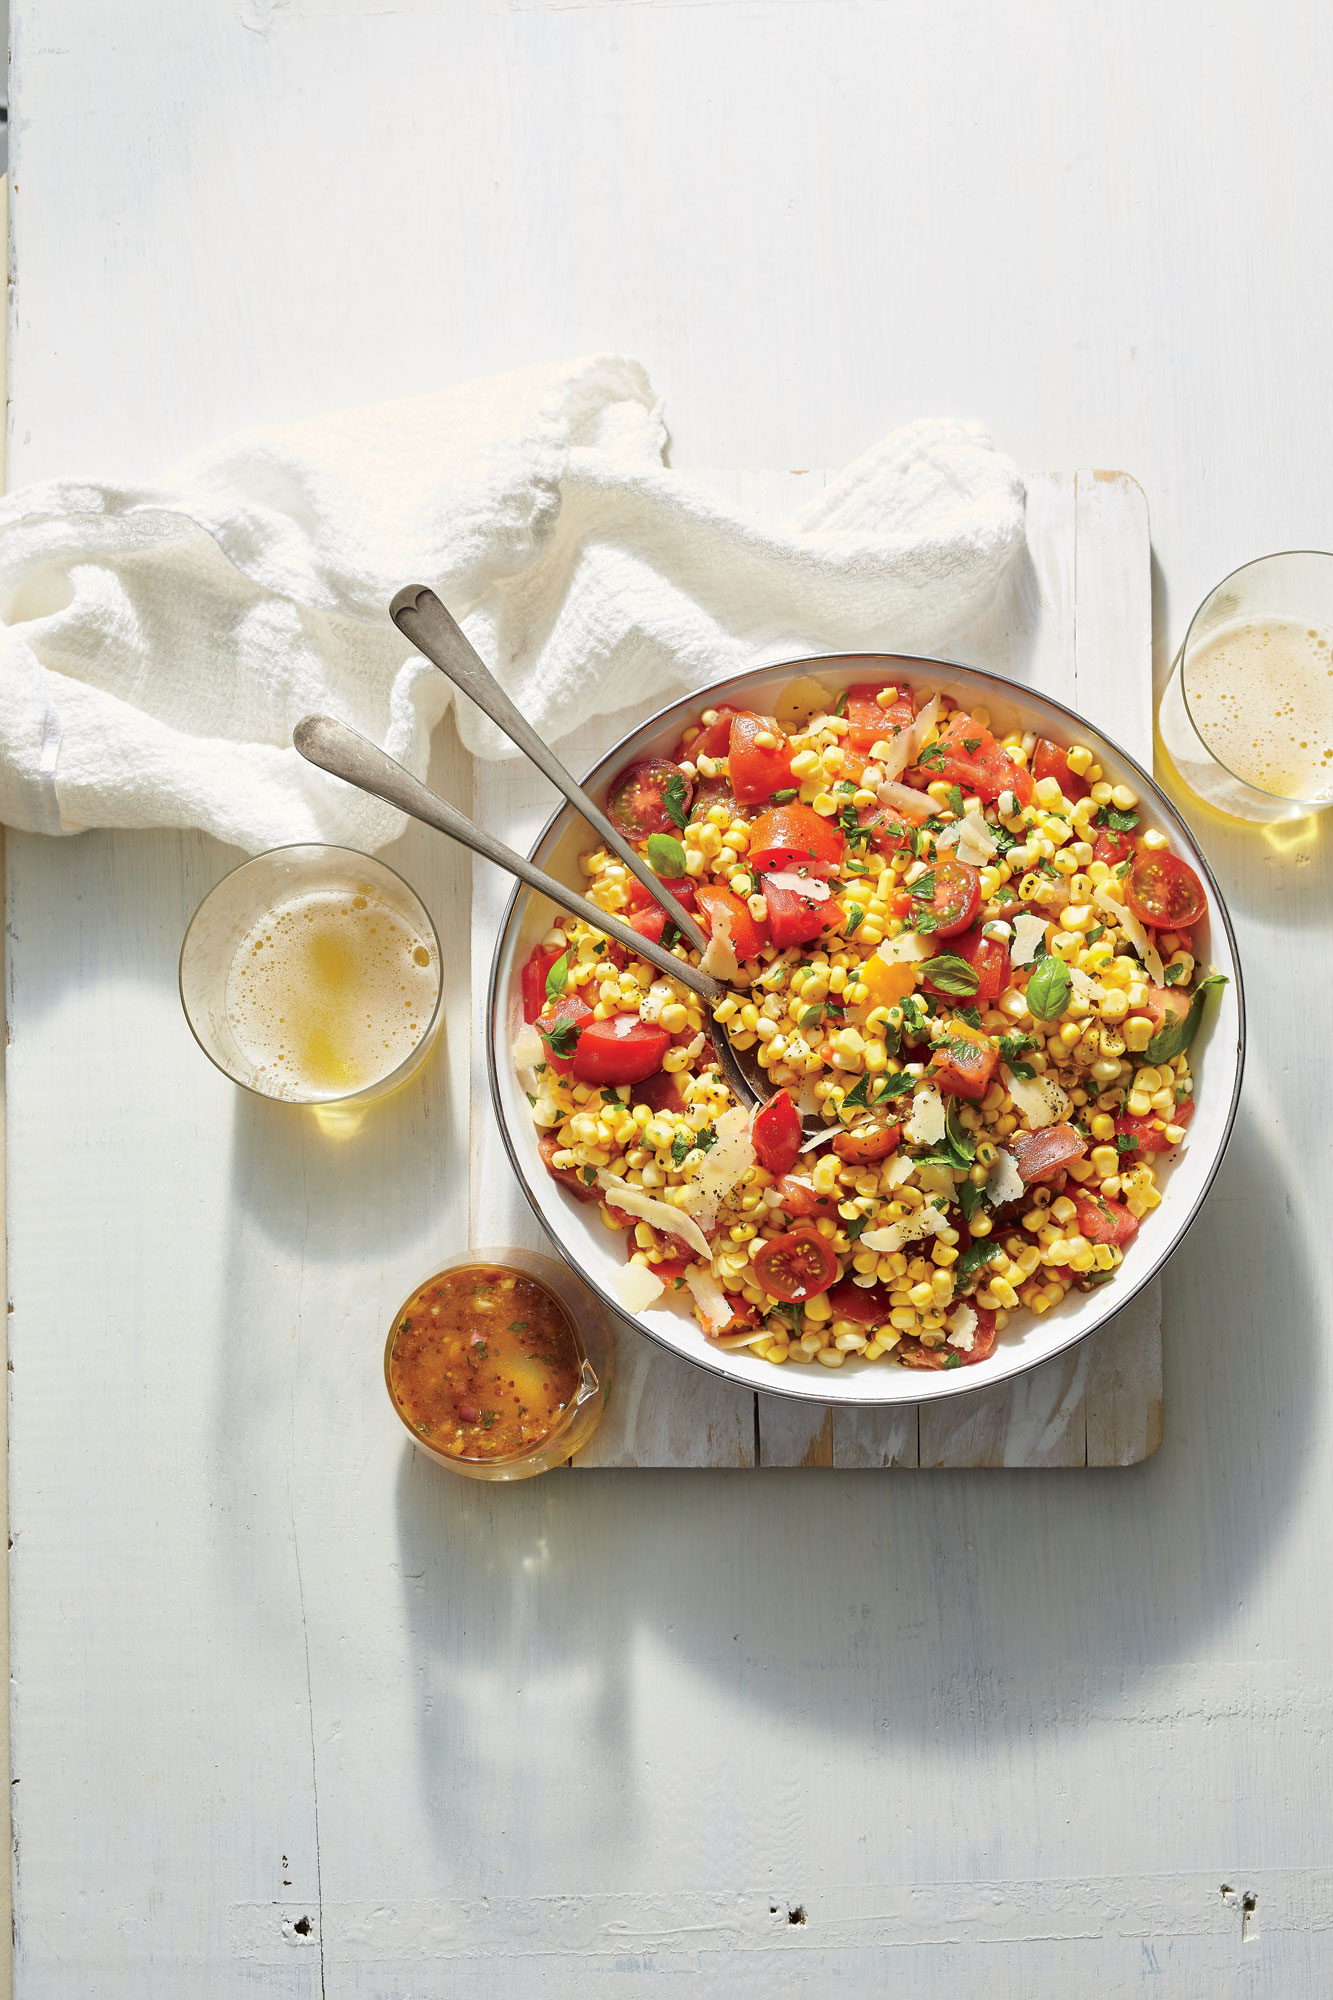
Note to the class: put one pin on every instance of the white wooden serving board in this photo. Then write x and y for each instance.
(1076, 621)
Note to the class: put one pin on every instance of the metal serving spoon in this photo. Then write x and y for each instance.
(348, 755)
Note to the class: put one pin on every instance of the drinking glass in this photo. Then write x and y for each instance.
(227, 916)
(1247, 716)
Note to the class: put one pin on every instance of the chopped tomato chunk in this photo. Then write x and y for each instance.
(1040, 1154)
(801, 1198)
(682, 887)
(794, 919)
(964, 1062)
(713, 739)
(868, 723)
(571, 1177)
(747, 937)
(967, 755)
(756, 770)
(1148, 1133)
(868, 1305)
(1112, 848)
(776, 1134)
(913, 1354)
(533, 980)
(1102, 1220)
(1050, 761)
(874, 1145)
(787, 837)
(1166, 1003)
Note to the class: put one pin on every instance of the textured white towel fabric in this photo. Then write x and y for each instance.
(158, 646)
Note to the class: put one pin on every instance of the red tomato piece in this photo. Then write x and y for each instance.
(776, 1134)
(1112, 848)
(1103, 1221)
(713, 739)
(868, 723)
(682, 888)
(747, 937)
(967, 755)
(957, 896)
(794, 919)
(571, 1177)
(797, 1265)
(756, 772)
(533, 980)
(668, 1269)
(621, 1050)
(637, 802)
(964, 1063)
(868, 1305)
(1147, 1133)
(794, 837)
(912, 1354)
(662, 1092)
(1163, 890)
(1050, 761)
(988, 958)
(1041, 1154)
(876, 1145)
(801, 1198)
(1166, 1003)
(566, 1013)
(889, 831)
(649, 922)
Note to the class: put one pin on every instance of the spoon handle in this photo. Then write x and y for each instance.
(422, 618)
(354, 758)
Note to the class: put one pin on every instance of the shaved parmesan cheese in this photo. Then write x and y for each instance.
(710, 1298)
(972, 837)
(1004, 1182)
(895, 1171)
(673, 1221)
(812, 887)
(1028, 934)
(1039, 1098)
(696, 1047)
(1087, 989)
(720, 960)
(1134, 931)
(807, 1098)
(904, 748)
(902, 797)
(820, 1139)
(527, 1049)
(926, 1222)
(723, 1165)
(962, 1327)
(925, 1127)
(904, 950)
(637, 1287)
(546, 1112)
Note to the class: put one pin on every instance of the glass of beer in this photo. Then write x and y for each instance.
(312, 975)
(1247, 716)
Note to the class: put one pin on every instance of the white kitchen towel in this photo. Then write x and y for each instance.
(159, 645)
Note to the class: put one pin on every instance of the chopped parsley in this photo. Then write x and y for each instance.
(956, 800)
(1126, 1142)
(1116, 822)
(970, 1198)
(562, 1039)
(971, 744)
(854, 833)
(855, 918)
(1174, 974)
(840, 705)
(1012, 1048)
(973, 1258)
(673, 798)
(1098, 930)
(785, 797)
(933, 758)
(923, 888)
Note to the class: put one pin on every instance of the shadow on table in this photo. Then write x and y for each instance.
(556, 1622)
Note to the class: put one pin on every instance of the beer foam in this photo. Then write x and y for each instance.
(329, 993)
(1260, 694)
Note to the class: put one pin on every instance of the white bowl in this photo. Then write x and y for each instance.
(1216, 1056)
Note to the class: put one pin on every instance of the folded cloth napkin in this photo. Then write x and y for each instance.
(159, 645)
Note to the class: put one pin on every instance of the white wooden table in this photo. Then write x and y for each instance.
(291, 1717)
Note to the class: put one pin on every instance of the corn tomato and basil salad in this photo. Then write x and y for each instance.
(963, 959)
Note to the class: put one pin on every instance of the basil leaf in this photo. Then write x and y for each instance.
(557, 979)
(812, 1016)
(970, 1198)
(855, 1226)
(856, 916)
(1048, 989)
(956, 800)
(972, 1259)
(673, 798)
(950, 973)
(590, 1177)
(562, 1040)
(1176, 1036)
(666, 856)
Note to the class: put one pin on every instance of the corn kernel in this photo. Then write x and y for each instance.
(1123, 799)
(1101, 795)
(1079, 759)
(1139, 1031)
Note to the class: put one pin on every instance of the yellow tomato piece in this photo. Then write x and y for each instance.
(887, 983)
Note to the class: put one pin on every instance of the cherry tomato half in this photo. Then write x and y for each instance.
(794, 837)
(621, 1050)
(747, 937)
(637, 804)
(1040, 1154)
(796, 1266)
(957, 896)
(757, 772)
(1163, 890)
(876, 1145)
(776, 1134)
(988, 958)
